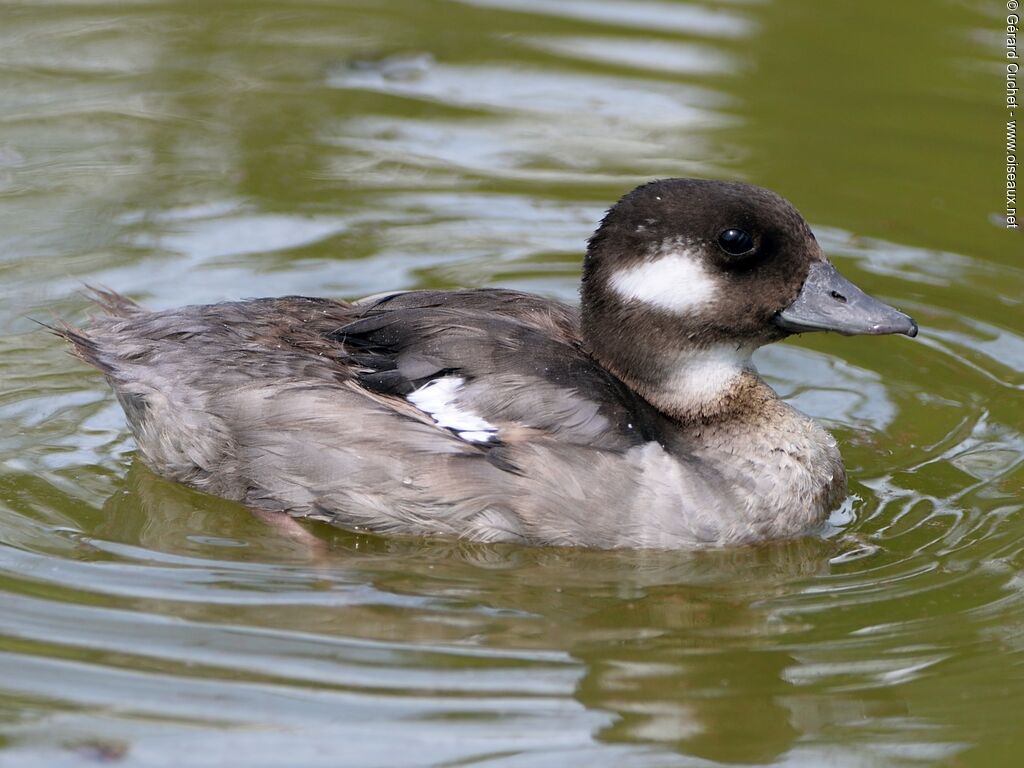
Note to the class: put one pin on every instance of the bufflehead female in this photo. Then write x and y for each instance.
(636, 420)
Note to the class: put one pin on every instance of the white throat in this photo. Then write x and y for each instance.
(704, 375)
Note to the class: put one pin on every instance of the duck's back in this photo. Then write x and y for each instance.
(469, 413)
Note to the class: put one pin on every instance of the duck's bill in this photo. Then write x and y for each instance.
(830, 302)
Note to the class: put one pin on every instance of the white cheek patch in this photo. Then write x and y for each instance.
(676, 282)
(439, 399)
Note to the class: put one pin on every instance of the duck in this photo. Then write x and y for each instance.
(635, 420)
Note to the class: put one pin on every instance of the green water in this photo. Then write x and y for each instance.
(188, 152)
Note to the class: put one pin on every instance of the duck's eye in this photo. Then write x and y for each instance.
(736, 242)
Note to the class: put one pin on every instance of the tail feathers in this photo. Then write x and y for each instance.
(111, 302)
(83, 345)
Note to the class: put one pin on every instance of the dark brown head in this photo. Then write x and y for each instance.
(684, 278)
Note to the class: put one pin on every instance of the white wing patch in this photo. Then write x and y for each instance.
(438, 398)
(675, 281)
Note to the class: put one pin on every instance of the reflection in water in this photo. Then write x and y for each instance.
(658, 683)
(726, 706)
(673, 646)
(644, 14)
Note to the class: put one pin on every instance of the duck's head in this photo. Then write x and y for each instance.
(685, 278)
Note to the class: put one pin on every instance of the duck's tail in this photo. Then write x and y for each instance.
(111, 302)
(83, 345)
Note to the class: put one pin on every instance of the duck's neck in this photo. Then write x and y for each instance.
(701, 385)
(783, 469)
